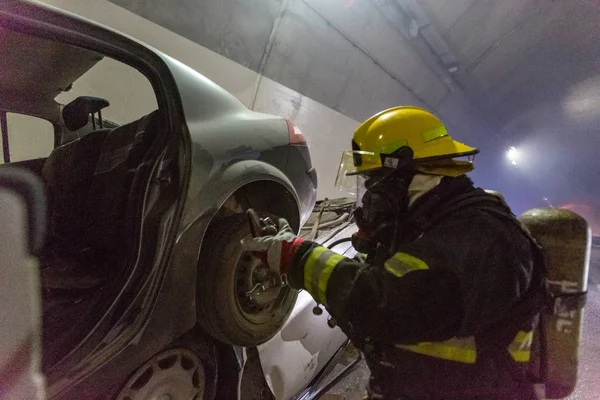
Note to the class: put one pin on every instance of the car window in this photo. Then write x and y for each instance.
(128, 91)
(25, 137)
(77, 91)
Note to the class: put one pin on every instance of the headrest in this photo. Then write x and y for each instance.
(76, 113)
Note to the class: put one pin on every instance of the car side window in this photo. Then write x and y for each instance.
(25, 137)
(128, 91)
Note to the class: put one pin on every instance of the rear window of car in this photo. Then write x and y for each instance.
(25, 137)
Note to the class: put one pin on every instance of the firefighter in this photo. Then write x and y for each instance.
(446, 303)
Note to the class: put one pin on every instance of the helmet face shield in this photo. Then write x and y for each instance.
(349, 178)
(356, 177)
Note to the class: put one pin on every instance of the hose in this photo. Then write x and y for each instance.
(339, 241)
(333, 234)
(315, 227)
(335, 222)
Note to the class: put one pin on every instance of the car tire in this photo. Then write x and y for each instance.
(225, 274)
(186, 368)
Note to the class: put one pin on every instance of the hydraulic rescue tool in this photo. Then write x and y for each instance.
(264, 226)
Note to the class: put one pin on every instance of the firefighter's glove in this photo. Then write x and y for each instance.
(276, 251)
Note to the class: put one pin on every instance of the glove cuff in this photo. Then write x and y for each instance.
(288, 251)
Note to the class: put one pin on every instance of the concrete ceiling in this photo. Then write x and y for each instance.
(504, 73)
(518, 53)
(534, 67)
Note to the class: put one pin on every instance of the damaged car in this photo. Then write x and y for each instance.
(148, 169)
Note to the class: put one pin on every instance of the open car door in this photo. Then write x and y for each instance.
(22, 220)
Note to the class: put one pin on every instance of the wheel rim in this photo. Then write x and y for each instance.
(176, 374)
(249, 272)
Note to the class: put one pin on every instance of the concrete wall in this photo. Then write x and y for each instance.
(28, 137)
(534, 66)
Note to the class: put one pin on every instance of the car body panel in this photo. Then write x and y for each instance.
(225, 131)
(202, 207)
(302, 348)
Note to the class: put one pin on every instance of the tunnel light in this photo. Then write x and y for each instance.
(513, 155)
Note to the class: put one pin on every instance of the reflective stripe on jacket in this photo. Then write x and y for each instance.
(320, 264)
(317, 271)
(464, 350)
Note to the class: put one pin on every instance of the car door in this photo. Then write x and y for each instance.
(22, 212)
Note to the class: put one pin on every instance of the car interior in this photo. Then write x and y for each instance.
(90, 183)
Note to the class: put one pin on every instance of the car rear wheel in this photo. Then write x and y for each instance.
(173, 374)
(226, 275)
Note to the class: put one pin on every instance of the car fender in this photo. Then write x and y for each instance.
(207, 194)
(200, 210)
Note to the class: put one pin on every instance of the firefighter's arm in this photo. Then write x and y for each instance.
(404, 302)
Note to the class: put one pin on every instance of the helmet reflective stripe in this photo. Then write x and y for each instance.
(434, 133)
(390, 148)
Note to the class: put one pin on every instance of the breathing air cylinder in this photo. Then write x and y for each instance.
(566, 240)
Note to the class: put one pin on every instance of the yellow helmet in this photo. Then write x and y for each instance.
(398, 127)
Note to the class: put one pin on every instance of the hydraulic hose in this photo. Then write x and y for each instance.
(329, 224)
(339, 241)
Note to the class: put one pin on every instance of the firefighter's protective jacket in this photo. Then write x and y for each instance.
(443, 317)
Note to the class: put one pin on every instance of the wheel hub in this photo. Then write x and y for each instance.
(250, 272)
(176, 374)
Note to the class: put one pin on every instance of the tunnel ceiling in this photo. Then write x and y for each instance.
(499, 73)
(517, 54)
(534, 66)
(351, 55)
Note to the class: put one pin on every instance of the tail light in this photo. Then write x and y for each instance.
(296, 136)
